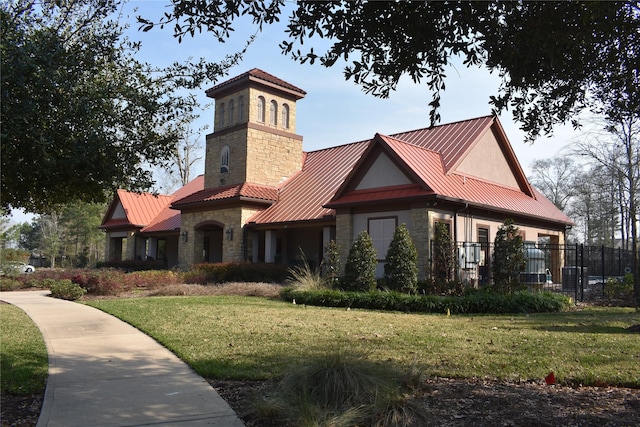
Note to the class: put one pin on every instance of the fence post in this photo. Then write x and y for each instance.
(581, 272)
(575, 279)
(602, 257)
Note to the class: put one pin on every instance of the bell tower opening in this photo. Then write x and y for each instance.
(254, 139)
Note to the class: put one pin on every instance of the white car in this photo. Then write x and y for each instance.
(18, 267)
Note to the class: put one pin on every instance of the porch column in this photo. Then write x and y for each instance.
(270, 246)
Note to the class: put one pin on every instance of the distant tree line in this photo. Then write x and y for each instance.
(67, 237)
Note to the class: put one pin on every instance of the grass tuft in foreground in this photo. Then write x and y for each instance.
(24, 366)
(340, 388)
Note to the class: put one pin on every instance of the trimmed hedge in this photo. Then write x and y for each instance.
(481, 302)
(235, 272)
(133, 265)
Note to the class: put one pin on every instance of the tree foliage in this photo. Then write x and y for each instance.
(549, 55)
(360, 268)
(401, 269)
(80, 115)
(508, 257)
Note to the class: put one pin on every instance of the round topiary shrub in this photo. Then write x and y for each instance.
(65, 289)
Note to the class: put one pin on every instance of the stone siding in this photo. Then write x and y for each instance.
(421, 236)
(190, 252)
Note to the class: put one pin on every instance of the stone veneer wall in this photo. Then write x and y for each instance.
(344, 235)
(421, 234)
(271, 158)
(237, 153)
(190, 252)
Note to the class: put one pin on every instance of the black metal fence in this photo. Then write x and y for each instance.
(577, 270)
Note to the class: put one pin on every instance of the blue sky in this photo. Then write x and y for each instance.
(335, 111)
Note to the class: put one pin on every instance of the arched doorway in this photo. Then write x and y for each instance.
(210, 235)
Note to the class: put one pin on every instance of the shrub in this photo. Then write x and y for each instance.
(235, 272)
(475, 302)
(622, 289)
(443, 287)
(132, 265)
(64, 289)
(331, 265)
(401, 269)
(100, 282)
(508, 258)
(360, 269)
(9, 284)
(149, 279)
(443, 253)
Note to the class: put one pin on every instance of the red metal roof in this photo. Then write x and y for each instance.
(428, 167)
(321, 185)
(228, 192)
(428, 155)
(302, 197)
(139, 209)
(259, 76)
(452, 141)
(169, 219)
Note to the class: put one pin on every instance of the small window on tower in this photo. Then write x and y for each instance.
(261, 108)
(240, 108)
(224, 159)
(221, 114)
(285, 116)
(273, 113)
(231, 112)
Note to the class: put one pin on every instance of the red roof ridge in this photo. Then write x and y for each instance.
(227, 192)
(257, 75)
(457, 122)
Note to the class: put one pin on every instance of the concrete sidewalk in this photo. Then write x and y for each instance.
(104, 372)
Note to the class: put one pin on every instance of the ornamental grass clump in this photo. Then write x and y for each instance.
(303, 277)
(340, 388)
(401, 267)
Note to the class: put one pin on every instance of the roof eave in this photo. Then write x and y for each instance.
(218, 202)
(501, 210)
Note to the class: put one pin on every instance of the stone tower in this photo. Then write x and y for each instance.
(254, 139)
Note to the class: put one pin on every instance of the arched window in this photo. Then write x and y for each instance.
(224, 159)
(261, 108)
(285, 116)
(231, 112)
(221, 114)
(273, 113)
(240, 108)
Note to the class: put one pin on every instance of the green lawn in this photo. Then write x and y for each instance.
(253, 338)
(24, 366)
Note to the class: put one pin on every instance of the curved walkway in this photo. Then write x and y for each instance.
(104, 372)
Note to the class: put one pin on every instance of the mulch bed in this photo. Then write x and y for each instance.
(455, 402)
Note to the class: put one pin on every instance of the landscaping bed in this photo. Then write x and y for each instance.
(485, 401)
